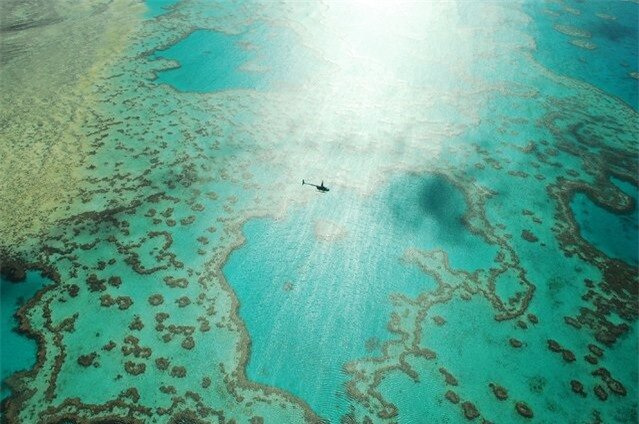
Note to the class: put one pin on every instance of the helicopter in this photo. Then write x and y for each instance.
(320, 187)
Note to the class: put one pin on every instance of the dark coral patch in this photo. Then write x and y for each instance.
(500, 392)
(452, 397)
(87, 360)
(524, 410)
(529, 236)
(515, 343)
(13, 269)
(448, 377)
(577, 387)
(470, 410)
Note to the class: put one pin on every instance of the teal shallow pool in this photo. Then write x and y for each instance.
(18, 352)
(315, 287)
(159, 7)
(614, 234)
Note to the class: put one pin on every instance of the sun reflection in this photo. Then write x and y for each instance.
(379, 68)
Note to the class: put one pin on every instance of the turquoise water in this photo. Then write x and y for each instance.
(199, 279)
(209, 61)
(320, 300)
(259, 57)
(159, 7)
(18, 352)
(616, 235)
(610, 26)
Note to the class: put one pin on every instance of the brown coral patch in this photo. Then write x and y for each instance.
(470, 410)
(529, 236)
(600, 392)
(178, 371)
(162, 363)
(524, 410)
(156, 299)
(448, 377)
(87, 360)
(134, 368)
(554, 346)
(500, 392)
(515, 343)
(577, 387)
(188, 343)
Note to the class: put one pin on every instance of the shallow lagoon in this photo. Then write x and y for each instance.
(18, 352)
(615, 234)
(314, 287)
